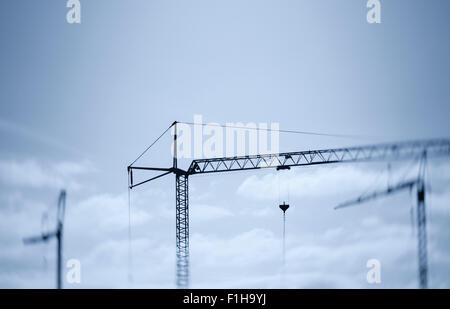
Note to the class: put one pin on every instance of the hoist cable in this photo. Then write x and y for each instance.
(130, 256)
(284, 239)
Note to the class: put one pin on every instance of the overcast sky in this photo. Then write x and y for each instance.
(79, 102)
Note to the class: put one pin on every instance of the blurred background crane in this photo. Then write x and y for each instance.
(57, 233)
(419, 184)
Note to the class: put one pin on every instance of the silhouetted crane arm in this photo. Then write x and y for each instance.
(286, 160)
(326, 156)
(42, 238)
(390, 190)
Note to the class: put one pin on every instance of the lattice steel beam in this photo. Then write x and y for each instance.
(313, 157)
(182, 229)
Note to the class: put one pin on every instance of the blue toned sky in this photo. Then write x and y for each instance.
(80, 101)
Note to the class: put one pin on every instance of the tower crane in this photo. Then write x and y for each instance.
(279, 161)
(419, 184)
(57, 233)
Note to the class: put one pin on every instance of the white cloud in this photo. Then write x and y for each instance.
(306, 183)
(107, 212)
(202, 212)
(325, 248)
(30, 173)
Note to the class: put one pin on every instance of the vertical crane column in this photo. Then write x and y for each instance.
(59, 259)
(182, 219)
(59, 236)
(182, 226)
(422, 236)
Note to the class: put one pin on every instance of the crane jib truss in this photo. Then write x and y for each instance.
(388, 151)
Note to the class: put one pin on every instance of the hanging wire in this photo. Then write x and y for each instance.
(130, 256)
(278, 183)
(284, 240)
(279, 130)
(408, 168)
(289, 191)
(428, 209)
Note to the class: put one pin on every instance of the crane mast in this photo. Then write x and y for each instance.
(422, 237)
(391, 151)
(58, 234)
